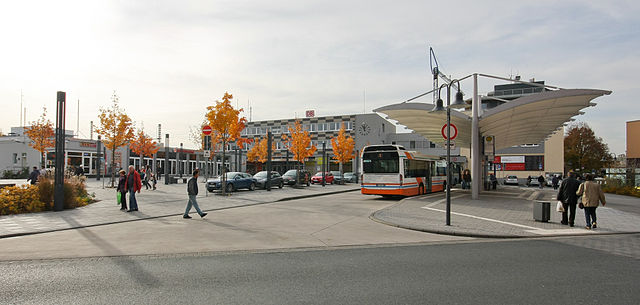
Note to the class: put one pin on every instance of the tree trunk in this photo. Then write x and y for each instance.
(224, 169)
(113, 165)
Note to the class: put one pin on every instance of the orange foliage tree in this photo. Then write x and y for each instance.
(226, 124)
(299, 143)
(259, 151)
(342, 148)
(143, 145)
(41, 134)
(116, 130)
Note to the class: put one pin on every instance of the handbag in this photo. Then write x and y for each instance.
(559, 207)
(119, 197)
(580, 205)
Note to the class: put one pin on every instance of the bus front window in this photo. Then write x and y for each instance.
(380, 163)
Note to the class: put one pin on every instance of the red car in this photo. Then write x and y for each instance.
(317, 178)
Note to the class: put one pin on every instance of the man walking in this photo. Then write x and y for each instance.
(567, 194)
(134, 184)
(192, 191)
(33, 177)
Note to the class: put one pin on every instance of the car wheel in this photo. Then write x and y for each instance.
(229, 188)
(252, 187)
(281, 185)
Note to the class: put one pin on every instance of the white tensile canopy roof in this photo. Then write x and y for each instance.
(526, 120)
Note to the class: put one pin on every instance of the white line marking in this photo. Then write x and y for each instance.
(487, 219)
(442, 200)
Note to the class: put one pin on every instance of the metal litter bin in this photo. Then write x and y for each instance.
(541, 211)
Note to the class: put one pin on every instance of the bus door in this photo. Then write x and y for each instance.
(428, 182)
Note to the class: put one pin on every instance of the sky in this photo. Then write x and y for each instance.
(168, 60)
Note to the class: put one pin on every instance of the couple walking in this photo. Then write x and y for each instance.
(592, 196)
(129, 183)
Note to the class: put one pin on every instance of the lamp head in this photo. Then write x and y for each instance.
(459, 102)
(439, 106)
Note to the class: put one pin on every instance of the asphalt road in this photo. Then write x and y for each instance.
(577, 270)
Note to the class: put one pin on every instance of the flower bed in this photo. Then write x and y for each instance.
(39, 197)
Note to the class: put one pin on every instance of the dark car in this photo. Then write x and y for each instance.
(235, 180)
(261, 179)
(349, 177)
(317, 178)
(289, 178)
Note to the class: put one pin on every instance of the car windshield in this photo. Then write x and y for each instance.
(512, 177)
(335, 173)
(260, 175)
(320, 174)
(291, 173)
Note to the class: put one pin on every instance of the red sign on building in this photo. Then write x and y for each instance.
(514, 166)
(310, 113)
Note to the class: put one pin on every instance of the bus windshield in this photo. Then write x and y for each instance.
(380, 162)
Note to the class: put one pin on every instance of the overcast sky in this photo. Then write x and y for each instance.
(168, 60)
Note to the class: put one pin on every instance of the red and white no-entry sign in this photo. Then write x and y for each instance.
(455, 131)
(206, 130)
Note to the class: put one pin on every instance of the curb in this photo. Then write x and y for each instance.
(479, 235)
(175, 214)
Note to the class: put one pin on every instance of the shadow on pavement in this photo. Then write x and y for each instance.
(128, 265)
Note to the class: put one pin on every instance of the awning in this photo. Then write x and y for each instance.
(527, 120)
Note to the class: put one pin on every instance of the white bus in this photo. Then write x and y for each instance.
(391, 170)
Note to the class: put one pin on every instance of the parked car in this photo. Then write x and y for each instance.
(261, 179)
(235, 180)
(317, 178)
(289, 178)
(511, 180)
(350, 177)
(337, 177)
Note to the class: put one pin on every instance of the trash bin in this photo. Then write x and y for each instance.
(541, 211)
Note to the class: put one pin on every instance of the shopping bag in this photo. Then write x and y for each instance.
(119, 197)
(559, 207)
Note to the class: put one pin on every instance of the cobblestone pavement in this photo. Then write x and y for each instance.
(505, 213)
(166, 200)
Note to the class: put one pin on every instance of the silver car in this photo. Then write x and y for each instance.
(511, 180)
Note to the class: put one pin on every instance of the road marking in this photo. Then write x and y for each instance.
(442, 200)
(573, 231)
(487, 219)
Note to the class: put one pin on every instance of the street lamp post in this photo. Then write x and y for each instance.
(458, 103)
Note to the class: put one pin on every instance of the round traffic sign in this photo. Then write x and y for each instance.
(206, 130)
(455, 131)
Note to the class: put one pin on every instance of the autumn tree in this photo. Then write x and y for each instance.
(299, 143)
(226, 124)
(258, 153)
(41, 134)
(583, 151)
(115, 128)
(342, 148)
(143, 145)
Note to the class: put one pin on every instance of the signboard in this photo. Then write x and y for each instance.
(455, 131)
(310, 113)
(514, 166)
(206, 130)
(452, 144)
(207, 153)
(459, 159)
(511, 159)
(496, 159)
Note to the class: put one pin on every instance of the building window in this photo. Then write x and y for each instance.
(313, 128)
(432, 145)
(15, 158)
(382, 127)
(412, 144)
(322, 126)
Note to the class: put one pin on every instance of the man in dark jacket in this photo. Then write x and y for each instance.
(567, 194)
(192, 191)
(33, 177)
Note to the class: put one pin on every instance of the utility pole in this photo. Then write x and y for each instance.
(58, 199)
(269, 141)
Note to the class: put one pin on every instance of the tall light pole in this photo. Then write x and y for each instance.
(458, 103)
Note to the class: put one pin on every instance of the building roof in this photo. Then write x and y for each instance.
(528, 119)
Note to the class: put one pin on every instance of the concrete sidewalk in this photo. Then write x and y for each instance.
(506, 213)
(167, 200)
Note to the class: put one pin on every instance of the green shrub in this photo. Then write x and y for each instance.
(39, 197)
